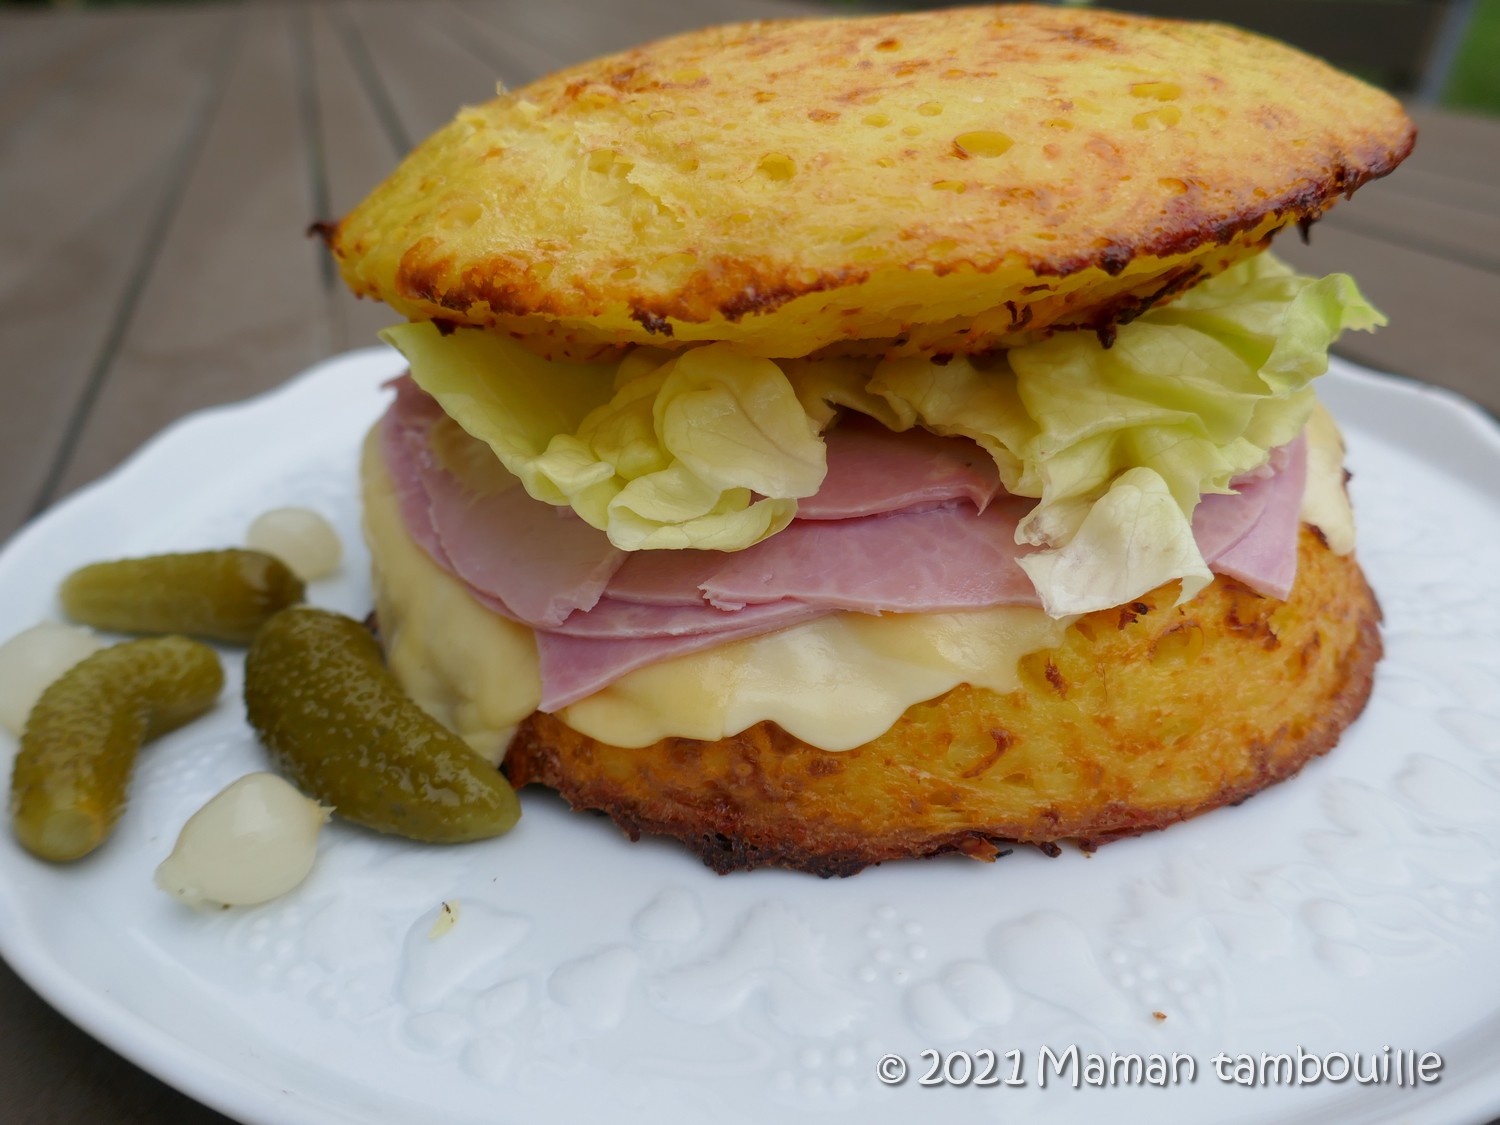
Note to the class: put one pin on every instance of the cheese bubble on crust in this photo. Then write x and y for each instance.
(836, 682)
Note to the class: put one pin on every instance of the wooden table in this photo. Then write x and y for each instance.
(158, 168)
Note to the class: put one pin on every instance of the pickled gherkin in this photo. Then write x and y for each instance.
(319, 695)
(216, 595)
(69, 781)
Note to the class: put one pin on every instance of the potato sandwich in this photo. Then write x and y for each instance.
(834, 441)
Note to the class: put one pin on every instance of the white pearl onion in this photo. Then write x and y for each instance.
(299, 537)
(32, 659)
(253, 842)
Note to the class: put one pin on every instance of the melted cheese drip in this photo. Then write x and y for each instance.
(1325, 501)
(836, 683)
(472, 670)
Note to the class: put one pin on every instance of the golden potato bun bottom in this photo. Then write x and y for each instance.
(1145, 715)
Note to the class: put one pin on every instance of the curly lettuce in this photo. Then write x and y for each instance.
(707, 448)
(1118, 444)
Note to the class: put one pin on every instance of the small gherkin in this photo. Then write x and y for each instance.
(215, 595)
(70, 777)
(338, 725)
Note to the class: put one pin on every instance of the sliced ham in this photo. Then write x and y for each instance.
(903, 523)
(1265, 556)
(403, 437)
(573, 668)
(1221, 521)
(612, 618)
(872, 470)
(549, 563)
(924, 560)
(932, 560)
(665, 577)
(535, 563)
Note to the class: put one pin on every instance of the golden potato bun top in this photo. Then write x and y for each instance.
(939, 181)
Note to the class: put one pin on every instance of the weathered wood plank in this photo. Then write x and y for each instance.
(357, 152)
(730, 10)
(234, 303)
(1389, 210)
(705, 12)
(1424, 245)
(1464, 146)
(1387, 39)
(94, 116)
(88, 180)
(1412, 178)
(563, 34)
(38, 53)
(516, 53)
(399, 67)
(1443, 328)
(426, 70)
(1438, 202)
(53, 1073)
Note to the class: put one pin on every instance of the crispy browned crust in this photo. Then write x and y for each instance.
(1146, 714)
(795, 185)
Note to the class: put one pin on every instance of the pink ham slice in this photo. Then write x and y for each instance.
(924, 560)
(403, 442)
(1265, 556)
(932, 560)
(573, 667)
(943, 542)
(1221, 521)
(665, 577)
(873, 470)
(541, 589)
(612, 619)
(536, 563)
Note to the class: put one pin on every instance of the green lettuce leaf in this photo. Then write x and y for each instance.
(706, 448)
(1188, 397)
(1138, 527)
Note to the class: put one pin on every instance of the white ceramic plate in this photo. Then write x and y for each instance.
(1352, 909)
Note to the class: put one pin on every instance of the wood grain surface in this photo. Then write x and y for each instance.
(159, 168)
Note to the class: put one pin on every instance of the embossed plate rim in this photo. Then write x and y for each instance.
(209, 1076)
